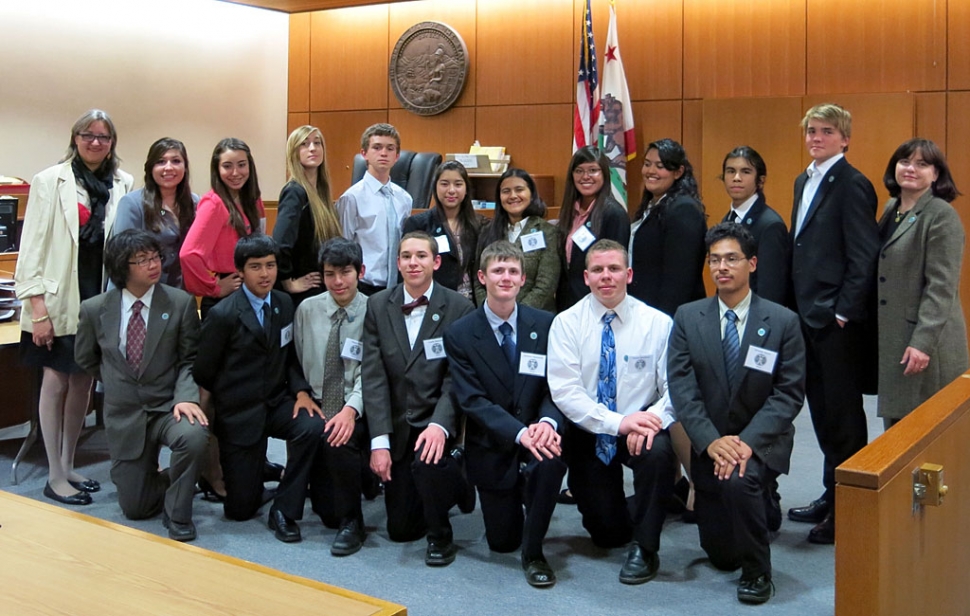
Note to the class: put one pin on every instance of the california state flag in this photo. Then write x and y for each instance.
(616, 138)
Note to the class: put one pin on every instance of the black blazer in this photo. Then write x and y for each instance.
(498, 400)
(668, 256)
(615, 226)
(834, 255)
(451, 271)
(294, 232)
(770, 280)
(247, 373)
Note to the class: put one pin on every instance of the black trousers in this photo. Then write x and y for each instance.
(335, 478)
(419, 495)
(506, 528)
(833, 377)
(242, 466)
(731, 516)
(598, 489)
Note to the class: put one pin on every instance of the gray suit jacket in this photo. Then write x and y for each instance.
(759, 407)
(402, 387)
(165, 376)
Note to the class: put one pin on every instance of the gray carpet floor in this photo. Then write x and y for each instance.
(482, 582)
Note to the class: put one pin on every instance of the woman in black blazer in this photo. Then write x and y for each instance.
(667, 244)
(454, 225)
(589, 213)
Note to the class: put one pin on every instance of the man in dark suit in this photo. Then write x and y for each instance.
(497, 356)
(834, 246)
(407, 394)
(139, 339)
(743, 173)
(246, 359)
(736, 372)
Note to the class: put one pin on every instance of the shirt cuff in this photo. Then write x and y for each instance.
(381, 442)
(442, 428)
(552, 422)
(841, 318)
(518, 437)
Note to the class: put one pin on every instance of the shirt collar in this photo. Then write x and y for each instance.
(823, 168)
(128, 299)
(741, 309)
(746, 206)
(495, 321)
(622, 309)
(374, 185)
(256, 302)
(407, 296)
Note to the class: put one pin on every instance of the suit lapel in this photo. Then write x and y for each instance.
(395, 299)
(709, 329)
(909, 221)
(799, 191)
(111, 325)
(158, 319)
(828, 180)
(756, 331)
(486, 345)
(248, 317)
(430, 325)
(67, 193)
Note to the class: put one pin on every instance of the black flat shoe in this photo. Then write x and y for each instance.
(178, 531)
(285, 529)
(812, 513)
(88, 485)
(349, 540)
(440, 553)
(209, 493)
(640, 566)
(824, 532)
(758, 590)
(79, 498)
(538, 573)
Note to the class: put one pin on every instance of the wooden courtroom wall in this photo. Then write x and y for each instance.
(711, 74)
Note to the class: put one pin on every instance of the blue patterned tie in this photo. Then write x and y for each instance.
(508, 344)
(606, 387)
(731, 345)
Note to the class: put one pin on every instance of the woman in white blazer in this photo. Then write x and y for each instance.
(70, 210)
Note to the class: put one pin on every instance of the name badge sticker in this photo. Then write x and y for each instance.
(353, 349)
(638, 363)
(286, 335)
(443, 244)
(583, 238)
(532, 364)
(434, 348)
(533, 241)
(760, 359)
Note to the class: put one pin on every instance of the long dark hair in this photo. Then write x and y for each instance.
(588, 154)
(466, 213)
(498, 229)
(152, 198)
(672, 157)
(943, 188)
(248, 195)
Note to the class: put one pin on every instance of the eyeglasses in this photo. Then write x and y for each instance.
(580, 172)
(731, 260)
(147, 261)
(91, 138)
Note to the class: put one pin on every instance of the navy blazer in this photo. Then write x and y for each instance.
(498, 400)
(770, 280)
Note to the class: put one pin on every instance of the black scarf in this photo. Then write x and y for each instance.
(99, 191)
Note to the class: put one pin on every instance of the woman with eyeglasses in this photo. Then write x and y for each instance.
(70, 210)
(589, 213)
(165, 207)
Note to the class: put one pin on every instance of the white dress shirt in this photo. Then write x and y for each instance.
(127, 301)
(641, 334)
(741, 310)
(815, 174)
(742, 211)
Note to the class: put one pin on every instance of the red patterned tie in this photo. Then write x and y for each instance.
(135, 346)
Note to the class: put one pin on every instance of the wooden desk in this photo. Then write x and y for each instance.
(62, 562)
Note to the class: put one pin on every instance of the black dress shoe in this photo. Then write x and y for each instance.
(824, 531)
(813, 513)
(285, 529)
(88, 485)
(78, 498)
(349, 539)
(640, 566)
(758, 590)
(538, 573)
(440, 553)
(272, 471)
(178, 531)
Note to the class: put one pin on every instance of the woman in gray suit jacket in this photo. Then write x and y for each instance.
(922, 335)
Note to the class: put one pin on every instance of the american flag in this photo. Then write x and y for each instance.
(586, 117)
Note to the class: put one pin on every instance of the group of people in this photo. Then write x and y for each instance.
(353, 334)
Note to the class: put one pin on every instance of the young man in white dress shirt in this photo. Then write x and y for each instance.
(607, 371)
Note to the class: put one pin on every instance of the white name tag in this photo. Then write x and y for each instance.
(638, 363)
(760, 359)
(583, 238)
(532, 364)
(533, 241)
(286, 335)
(434, 348)
(443, 245)
(353, 349)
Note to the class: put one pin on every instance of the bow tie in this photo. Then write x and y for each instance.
(407, 308)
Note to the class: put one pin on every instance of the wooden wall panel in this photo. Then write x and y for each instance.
(958, 157)
(459, 14)
(652, 120)
(525, 53)
(298, 92)
(852, 50)
(931, 117)
(295, 120)
(958, 43)
(538, 137)
(693, 138)
(342, 130)
(348, 59)
(736, 49)
(654, 63)
(451, 131)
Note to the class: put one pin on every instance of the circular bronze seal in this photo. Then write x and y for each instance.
(428, 68)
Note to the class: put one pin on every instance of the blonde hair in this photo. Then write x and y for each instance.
(325, 223)
(836, 115)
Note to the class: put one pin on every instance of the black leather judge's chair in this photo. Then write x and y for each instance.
(413, 172)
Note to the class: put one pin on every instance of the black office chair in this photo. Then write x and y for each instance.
(413, 171)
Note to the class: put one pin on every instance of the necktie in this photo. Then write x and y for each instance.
(333, 369)
(135, 343)
(731, 344)
(738, 219)
(508, 344)
(392, 236)
(606, 387)
(410, 306)
(267, 320)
